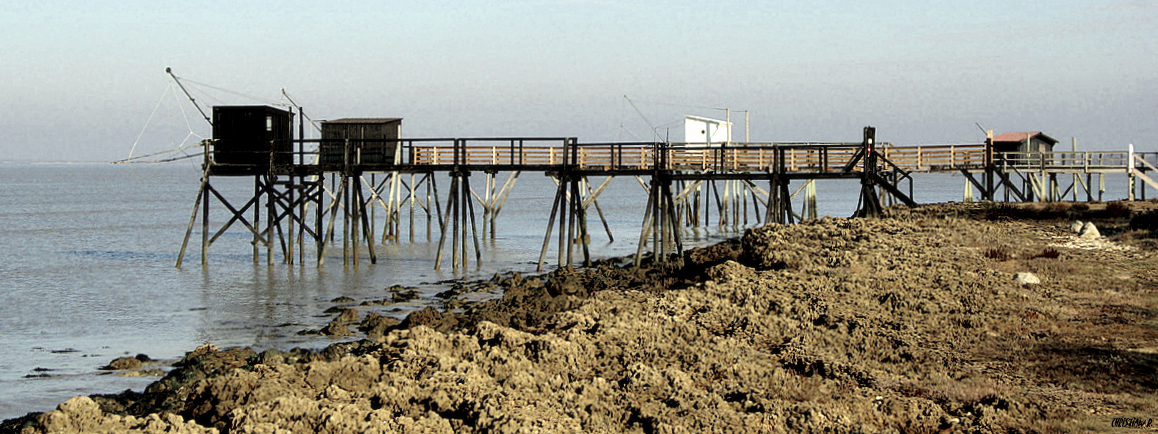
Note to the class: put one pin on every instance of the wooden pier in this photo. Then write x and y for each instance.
(685, 182)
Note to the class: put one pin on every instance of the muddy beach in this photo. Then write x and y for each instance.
(944, 318)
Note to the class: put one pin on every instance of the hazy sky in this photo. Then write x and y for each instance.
(79, 79)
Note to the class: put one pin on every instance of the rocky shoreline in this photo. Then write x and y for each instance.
(910, 323)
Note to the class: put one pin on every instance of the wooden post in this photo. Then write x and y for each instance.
(488, 201)
(673, 223)
(810, 211)
(353, 216)
(645, 231)
(741, 201)
(455, 204)
(550, 226)
(201, 192)
(411, 199)
(786, 202)
(256, 219)
(870, 204)
(443, 222)
(593, 198)
(1054, 189)
(367, 227)
(376, 195)
(396, 208)
(1101, 185)
(1130, 171)
(319, 236)
(581, 217)
(1089, 187)
(1074, 143)
(429, 221)
(755, 205)
(659, 231)
(989, 167)
(346, 203)
(473, 228)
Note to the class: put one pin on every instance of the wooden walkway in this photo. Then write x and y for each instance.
(791, 157)
(299, 206)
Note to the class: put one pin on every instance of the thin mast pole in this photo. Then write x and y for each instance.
(194, 101)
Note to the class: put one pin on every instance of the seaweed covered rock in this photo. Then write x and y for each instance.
(126, 363)
(82, 415)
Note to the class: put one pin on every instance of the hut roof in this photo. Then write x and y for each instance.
(364, 121)
(1020, 137)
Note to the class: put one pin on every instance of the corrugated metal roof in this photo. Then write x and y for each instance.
(364, 121)
(1020, 137)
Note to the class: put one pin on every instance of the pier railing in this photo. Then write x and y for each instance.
(787, 157)
(740, 157)
(730, 157)
(936, 157)
(1089, 161)
(545, 152)
(520, 151)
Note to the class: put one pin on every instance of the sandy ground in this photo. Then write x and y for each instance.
(911, 323)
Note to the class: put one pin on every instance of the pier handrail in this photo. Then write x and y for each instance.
(489, 153)
(936, 157)
(723, 157)
(1084, 160)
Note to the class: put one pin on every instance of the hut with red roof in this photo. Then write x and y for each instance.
(1034, 141)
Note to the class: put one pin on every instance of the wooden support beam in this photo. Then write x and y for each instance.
(444, 222)
(645, 228)
(592, 200)
(367, 232)
(559, 194)
(786, 202)
(238, 215)
(193, 219)
(1005, 182)
(473, 227)
(878, 180)
(969, 177)
(580, 216)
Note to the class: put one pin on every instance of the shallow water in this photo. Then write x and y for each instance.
(88, 269)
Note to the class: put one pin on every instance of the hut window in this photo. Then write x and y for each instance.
(269, 123)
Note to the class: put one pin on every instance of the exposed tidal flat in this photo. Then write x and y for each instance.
(923, 321)
(90, 277)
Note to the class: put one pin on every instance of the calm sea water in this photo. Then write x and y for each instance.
(88, 270)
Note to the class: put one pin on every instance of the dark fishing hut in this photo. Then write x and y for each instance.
(371, 140)
(246, 135)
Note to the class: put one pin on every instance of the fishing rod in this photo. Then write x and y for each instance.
(191, 99)
(300, 109)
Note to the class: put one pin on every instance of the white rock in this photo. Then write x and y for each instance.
(1025, 278)
(1076, 227)
(1089, 231)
